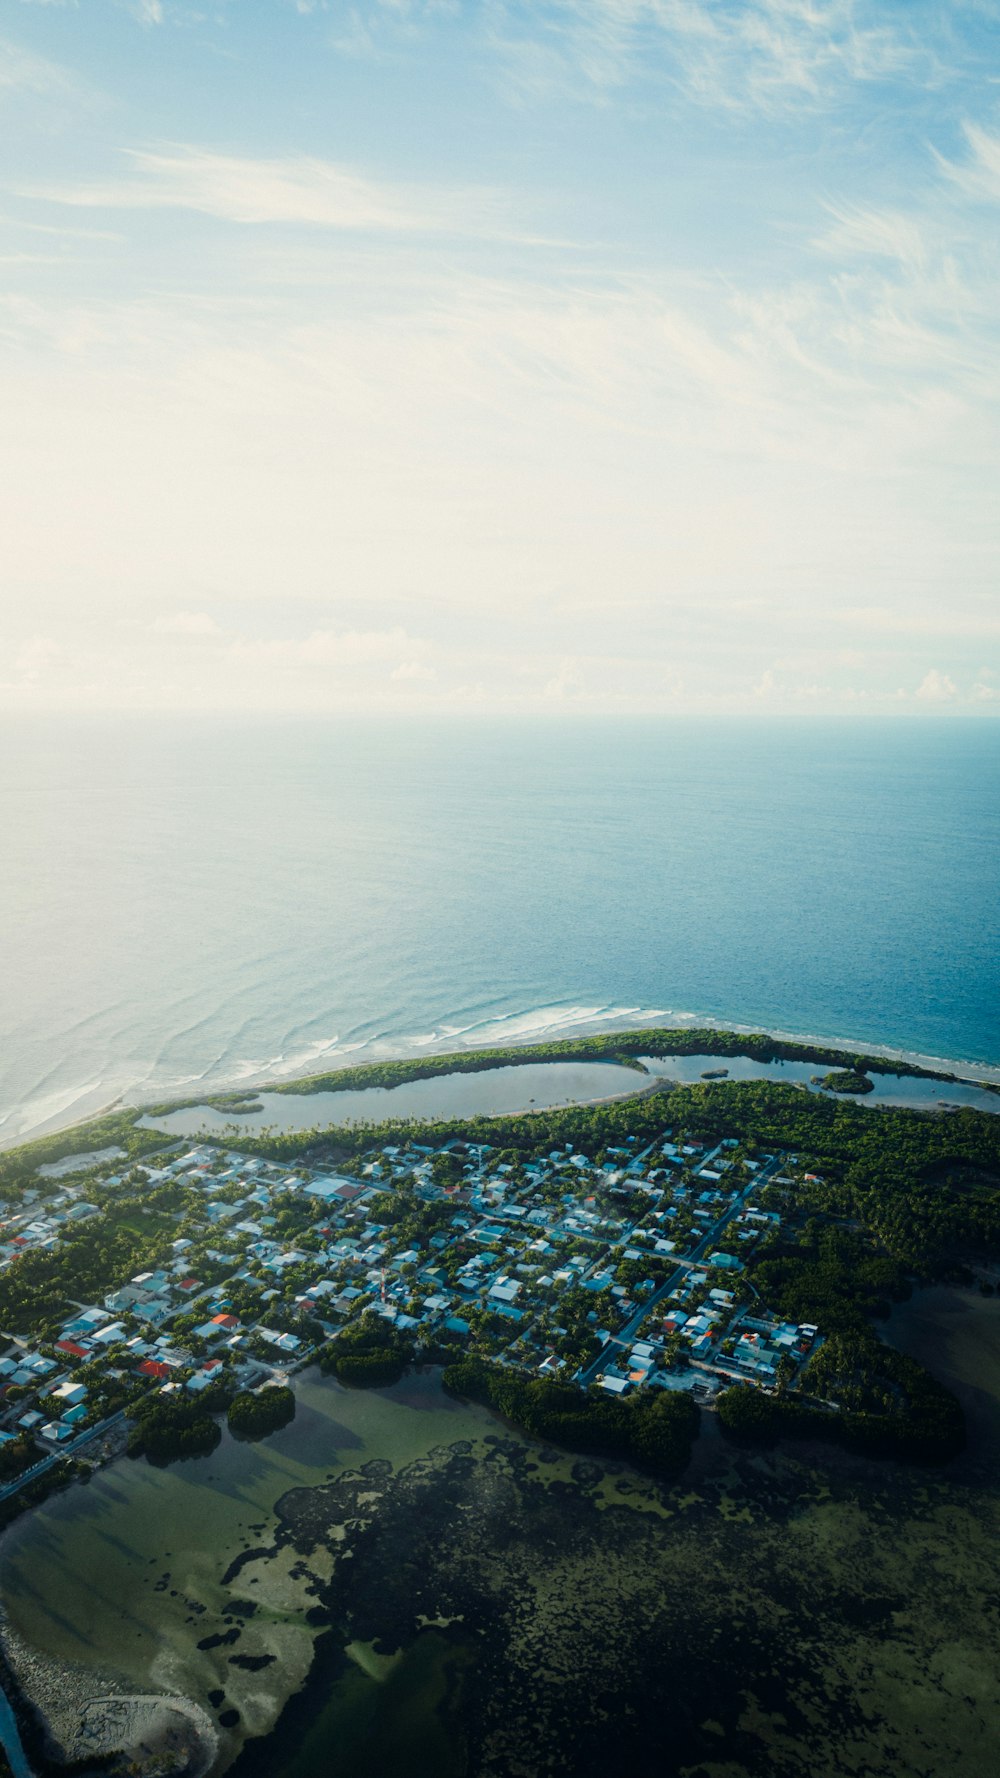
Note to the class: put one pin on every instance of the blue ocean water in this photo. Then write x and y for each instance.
(193, 901)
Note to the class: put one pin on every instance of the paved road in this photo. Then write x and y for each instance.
(67, 1450)
(613, 1350)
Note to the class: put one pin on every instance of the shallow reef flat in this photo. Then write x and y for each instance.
(774, 1618)
(455, 1599)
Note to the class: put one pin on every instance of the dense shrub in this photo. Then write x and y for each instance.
(254, 1416)
(168, 1427)
(368, 1354)
(654, 1429)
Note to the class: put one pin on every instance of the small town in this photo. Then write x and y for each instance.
(623, 1272)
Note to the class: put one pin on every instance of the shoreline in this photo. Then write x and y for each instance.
(73, 1715)
(451, 1045)
(456, 1043)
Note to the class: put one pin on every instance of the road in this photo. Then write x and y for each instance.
(67, 1450)
(623, 1339)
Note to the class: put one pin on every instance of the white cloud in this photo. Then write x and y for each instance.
(24, 665)
(729, 55)
(21, 70)
(565, 684)
(354, 37)
(300, 190)
(326, 649)
(979, 176)
(880, 234)
(936, 688)
(910, 622)
(35, 654)
(186, 623)
(398, 439)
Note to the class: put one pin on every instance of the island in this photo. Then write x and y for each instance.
(602, 1277)
(845, 1080)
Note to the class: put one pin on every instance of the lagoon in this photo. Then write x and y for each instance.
(537, 1086)
(912, 1091)
(487, 1092)
(121, 1582)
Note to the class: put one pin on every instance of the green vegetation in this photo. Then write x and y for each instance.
(622, 1047)
(368, 1354)
(845, 1080)
(879, 1402)
(254, 1416)
(829, 1275)
(654, 1431)
(16, 1455)
(168, 1427)
(90, 1259)
(120, 1129)
(868, 1201)
(925, 1187)
(749, 1414)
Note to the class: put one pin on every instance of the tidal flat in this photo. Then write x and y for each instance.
(400, 1582)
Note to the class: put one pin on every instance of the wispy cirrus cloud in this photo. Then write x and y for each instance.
(147, 12)
(300, 190)
(730, 55)
(978, 176)
(860, 232)
(21, 70)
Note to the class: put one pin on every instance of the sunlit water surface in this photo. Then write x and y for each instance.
(195, 904)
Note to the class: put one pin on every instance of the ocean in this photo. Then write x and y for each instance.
(190, 903)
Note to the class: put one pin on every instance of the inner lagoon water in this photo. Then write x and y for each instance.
(190, 905)
(536, 1086)
(119, 1581)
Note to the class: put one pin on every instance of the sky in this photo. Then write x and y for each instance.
(599, 356)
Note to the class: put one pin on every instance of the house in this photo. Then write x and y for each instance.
(328, 1189)
(639, 1365)
(286, 1341)
(71, 1394)
(505, 1290)
(125, 1298)
(155, 1369)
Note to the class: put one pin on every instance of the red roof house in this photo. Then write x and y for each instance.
(150, 1367)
